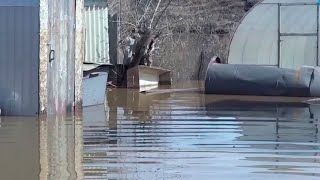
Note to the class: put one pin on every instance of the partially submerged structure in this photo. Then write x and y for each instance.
(41, 55)
(235, 79)
(146, 78)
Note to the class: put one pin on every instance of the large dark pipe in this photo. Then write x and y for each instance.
(236, 79)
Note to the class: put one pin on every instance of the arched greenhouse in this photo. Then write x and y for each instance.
(283, 33)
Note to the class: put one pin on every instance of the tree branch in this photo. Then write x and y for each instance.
(157, 22)
(145, 12)
(123, 22)
(154, 14)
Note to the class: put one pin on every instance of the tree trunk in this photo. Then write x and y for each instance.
(141, 48)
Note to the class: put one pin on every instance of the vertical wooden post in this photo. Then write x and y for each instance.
(279, 37)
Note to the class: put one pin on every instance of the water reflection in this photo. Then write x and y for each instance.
(134, 104)
(102, 128)
(274, 109)
(278, 138)
(40, 149)
(19, 148)
(61, 148)
(194, 136)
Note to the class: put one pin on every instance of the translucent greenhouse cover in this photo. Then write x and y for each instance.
(282, 33)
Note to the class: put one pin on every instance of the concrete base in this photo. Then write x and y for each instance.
(146, 78)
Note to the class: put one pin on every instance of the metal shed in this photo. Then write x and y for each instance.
(96, 32)
(283, 33)
(19, 57)
(41, 47)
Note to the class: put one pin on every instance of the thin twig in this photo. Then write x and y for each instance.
(136, 18)
(123, 22)
(145, 12)
(154, 14)
(168, 25)
(162, 14)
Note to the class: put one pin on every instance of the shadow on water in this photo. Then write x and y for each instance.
(196, 136)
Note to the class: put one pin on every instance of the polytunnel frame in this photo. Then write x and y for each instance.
(279, 28)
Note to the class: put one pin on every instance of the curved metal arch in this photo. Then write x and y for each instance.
(272, 41)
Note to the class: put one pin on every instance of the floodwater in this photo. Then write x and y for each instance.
(182, 135)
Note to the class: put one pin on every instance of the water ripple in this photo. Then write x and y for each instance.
(192, 136)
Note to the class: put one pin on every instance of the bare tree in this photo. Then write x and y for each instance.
(186, 28)
(140, 19)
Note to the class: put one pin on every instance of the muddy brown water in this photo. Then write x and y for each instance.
(167, 136)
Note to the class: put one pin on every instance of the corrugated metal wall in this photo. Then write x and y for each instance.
(97, 39)
(19, 3)
(19, 57)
